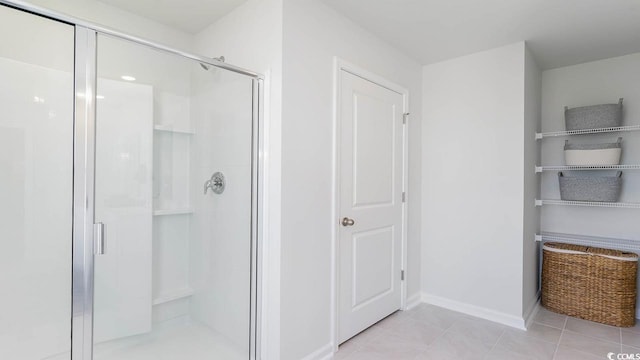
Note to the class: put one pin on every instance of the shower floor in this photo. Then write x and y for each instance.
(178, 342)
(185, 341)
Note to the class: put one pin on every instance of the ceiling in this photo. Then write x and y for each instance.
(190, 16)
(559, 32)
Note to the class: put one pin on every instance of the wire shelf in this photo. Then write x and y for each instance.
(596, 241)
(540, 169)
(589, 204)
(588, 131)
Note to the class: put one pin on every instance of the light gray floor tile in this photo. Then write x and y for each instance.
(437, 316)
(593, 329)
(567, 353)
(520, 342)
(416, 331)
(550, 318)
(392, 320)
(357, 355)
(630, 350)
(635, 329)
(393, 347)
(630, 338)
(544, 332)
(588, 344)
(478, 329)
(368, 335)
(346, 349)
(456, 346)
(433, 333)
(498, 353)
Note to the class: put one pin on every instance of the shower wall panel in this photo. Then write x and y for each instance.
(36, 154)
(124, 203)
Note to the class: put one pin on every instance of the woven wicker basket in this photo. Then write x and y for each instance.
(590, 283)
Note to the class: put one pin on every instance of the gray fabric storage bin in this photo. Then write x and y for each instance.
(615, 145)
(593, 154)
(584, 188)
(593, 117)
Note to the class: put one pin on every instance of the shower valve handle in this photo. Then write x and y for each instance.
(216, 183)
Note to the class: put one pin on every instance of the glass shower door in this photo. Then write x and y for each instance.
(36, 183)
(174, 189)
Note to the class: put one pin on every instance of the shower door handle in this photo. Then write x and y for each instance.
(100, 238)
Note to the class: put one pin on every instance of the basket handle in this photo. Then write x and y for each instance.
(575, 252)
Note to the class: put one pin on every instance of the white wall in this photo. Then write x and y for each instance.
(251, 37)
(118, 19)
(313, 35)
(472, 183)
(123, 201)
(220, 261)
(36, 143)
(530, 252)
(597, 82)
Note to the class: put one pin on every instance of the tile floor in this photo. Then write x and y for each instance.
(430, 332)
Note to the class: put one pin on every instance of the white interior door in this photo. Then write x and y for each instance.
(370, 203)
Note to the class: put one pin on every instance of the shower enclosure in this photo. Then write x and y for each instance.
(128, 196)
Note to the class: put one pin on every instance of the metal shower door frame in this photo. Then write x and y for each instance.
(84, 160)
(84, 238)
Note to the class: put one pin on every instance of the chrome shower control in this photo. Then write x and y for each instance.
(216, 183)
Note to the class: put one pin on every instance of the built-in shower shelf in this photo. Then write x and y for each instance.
(172, 130)
(173, 295)
(166, 212)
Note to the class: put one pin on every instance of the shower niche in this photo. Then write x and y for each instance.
(172, 210)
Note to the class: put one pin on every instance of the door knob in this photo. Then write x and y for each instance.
(348, 222)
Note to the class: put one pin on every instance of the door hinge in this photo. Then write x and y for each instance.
(405, 117)
(404, 196)
(402, 275)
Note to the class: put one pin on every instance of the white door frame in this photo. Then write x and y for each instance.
(339, 66)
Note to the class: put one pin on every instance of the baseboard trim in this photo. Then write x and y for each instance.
(413, 301)
(531, 312)
(323, 353)
(477, 311)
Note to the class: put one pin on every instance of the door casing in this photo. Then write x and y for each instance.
(340, 66)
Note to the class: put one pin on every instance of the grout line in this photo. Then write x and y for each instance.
(496, 343)
(549, 326)
(555, 352)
